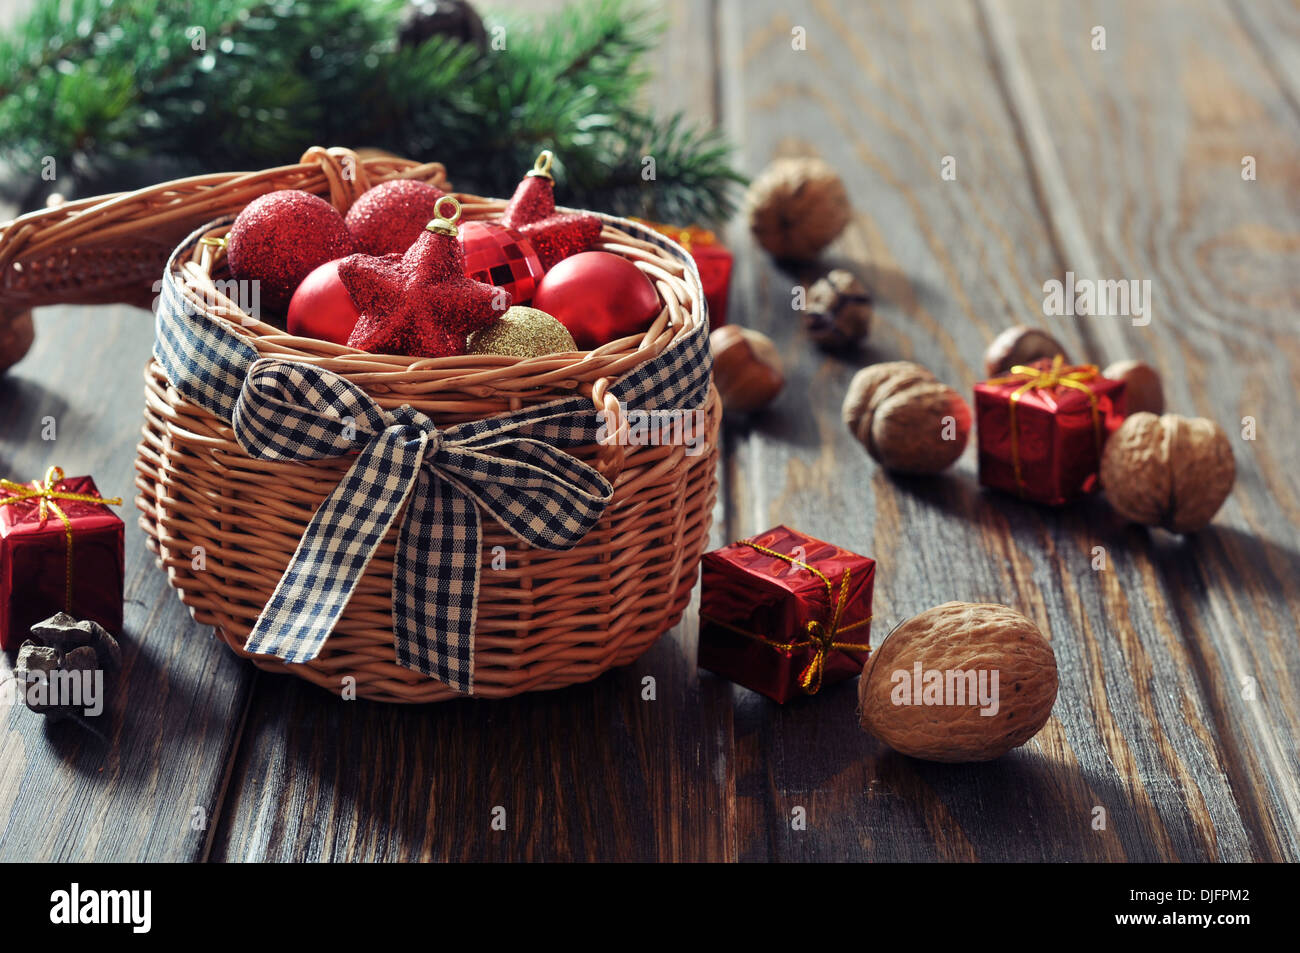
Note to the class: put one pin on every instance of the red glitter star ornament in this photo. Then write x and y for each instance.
(420, 304)
(555, 235)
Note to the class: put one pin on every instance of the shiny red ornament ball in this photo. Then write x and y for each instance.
(279, 238)
(388, 218)
(500, 256)
(322, 308)
(599, 297)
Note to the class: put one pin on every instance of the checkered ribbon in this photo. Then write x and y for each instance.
(510, 465)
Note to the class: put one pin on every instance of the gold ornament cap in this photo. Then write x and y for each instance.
(445, 224)
(542, 167)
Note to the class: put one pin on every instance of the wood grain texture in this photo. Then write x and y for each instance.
(1150, 725)
(1161, 176)
(152, 788)
(1179, 663)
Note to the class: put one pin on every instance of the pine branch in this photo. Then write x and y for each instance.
(112, 88)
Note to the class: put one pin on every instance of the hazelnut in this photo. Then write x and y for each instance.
(1019, 345)
(907, 420)
(16, 335)
(837, 312)
(994, 689)
(1142, 389)
(1168, 471)
(746, 368)
(797, 207)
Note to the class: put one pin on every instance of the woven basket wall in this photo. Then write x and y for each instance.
(545, 620)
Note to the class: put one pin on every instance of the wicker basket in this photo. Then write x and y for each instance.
(548, 619)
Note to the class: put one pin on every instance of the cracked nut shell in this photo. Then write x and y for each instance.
(959, 636)
(837, 312)
(898, 411)
(1168, 471)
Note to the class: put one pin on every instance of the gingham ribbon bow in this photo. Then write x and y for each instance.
(511, 465)
(547, 498)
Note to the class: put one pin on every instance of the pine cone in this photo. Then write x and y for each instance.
(837, 311)
(797, 207)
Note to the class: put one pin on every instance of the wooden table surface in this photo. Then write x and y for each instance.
(1175, 735)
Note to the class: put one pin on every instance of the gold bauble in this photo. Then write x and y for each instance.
(522, 332)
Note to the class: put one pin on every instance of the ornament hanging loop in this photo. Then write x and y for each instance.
(445, 223)
(542, 167)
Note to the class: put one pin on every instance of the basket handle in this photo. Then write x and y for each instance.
(111, 249)
(611, 456)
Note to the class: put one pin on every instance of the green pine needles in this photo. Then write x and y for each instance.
(108, 86)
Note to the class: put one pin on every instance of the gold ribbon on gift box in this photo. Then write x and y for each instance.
(49, 494)
(1058, 374)
(821, 635)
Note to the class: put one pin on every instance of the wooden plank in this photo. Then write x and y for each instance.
(150, 789)
(592, 772)
(1274, 28)
(1162, 177)
(883, 92)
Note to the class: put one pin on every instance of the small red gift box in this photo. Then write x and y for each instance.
(60, 551)
(713, 261)
(784, 614)
(1042, 428)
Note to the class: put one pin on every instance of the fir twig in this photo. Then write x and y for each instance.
(111, 89)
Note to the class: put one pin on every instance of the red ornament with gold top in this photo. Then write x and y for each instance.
(785, 614)
(1042, 429)
(712, 259)
(60, 551)
(531, 211)
(420, 304)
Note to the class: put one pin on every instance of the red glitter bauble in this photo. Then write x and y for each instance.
(555, 235)
(279, 238)
(322, 308)
(599, 297)
(500, 256)
(420, 304)
(389, 217)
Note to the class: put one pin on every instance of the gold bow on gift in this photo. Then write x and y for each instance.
(1059, 374)
(821, 636)
(49, 495)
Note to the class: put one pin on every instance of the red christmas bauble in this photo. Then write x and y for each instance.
(599, 297)
(279, 238)
(421, 303)
(496, 255)
(390, 217)
(322, 308)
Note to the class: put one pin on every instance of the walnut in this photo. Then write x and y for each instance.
(746, 368)
(16, 335)
(837, 311)
(1168, 471)
(1019, 345)
(1142, 389)
(991, 680)
(907, 420)
(797, 207)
